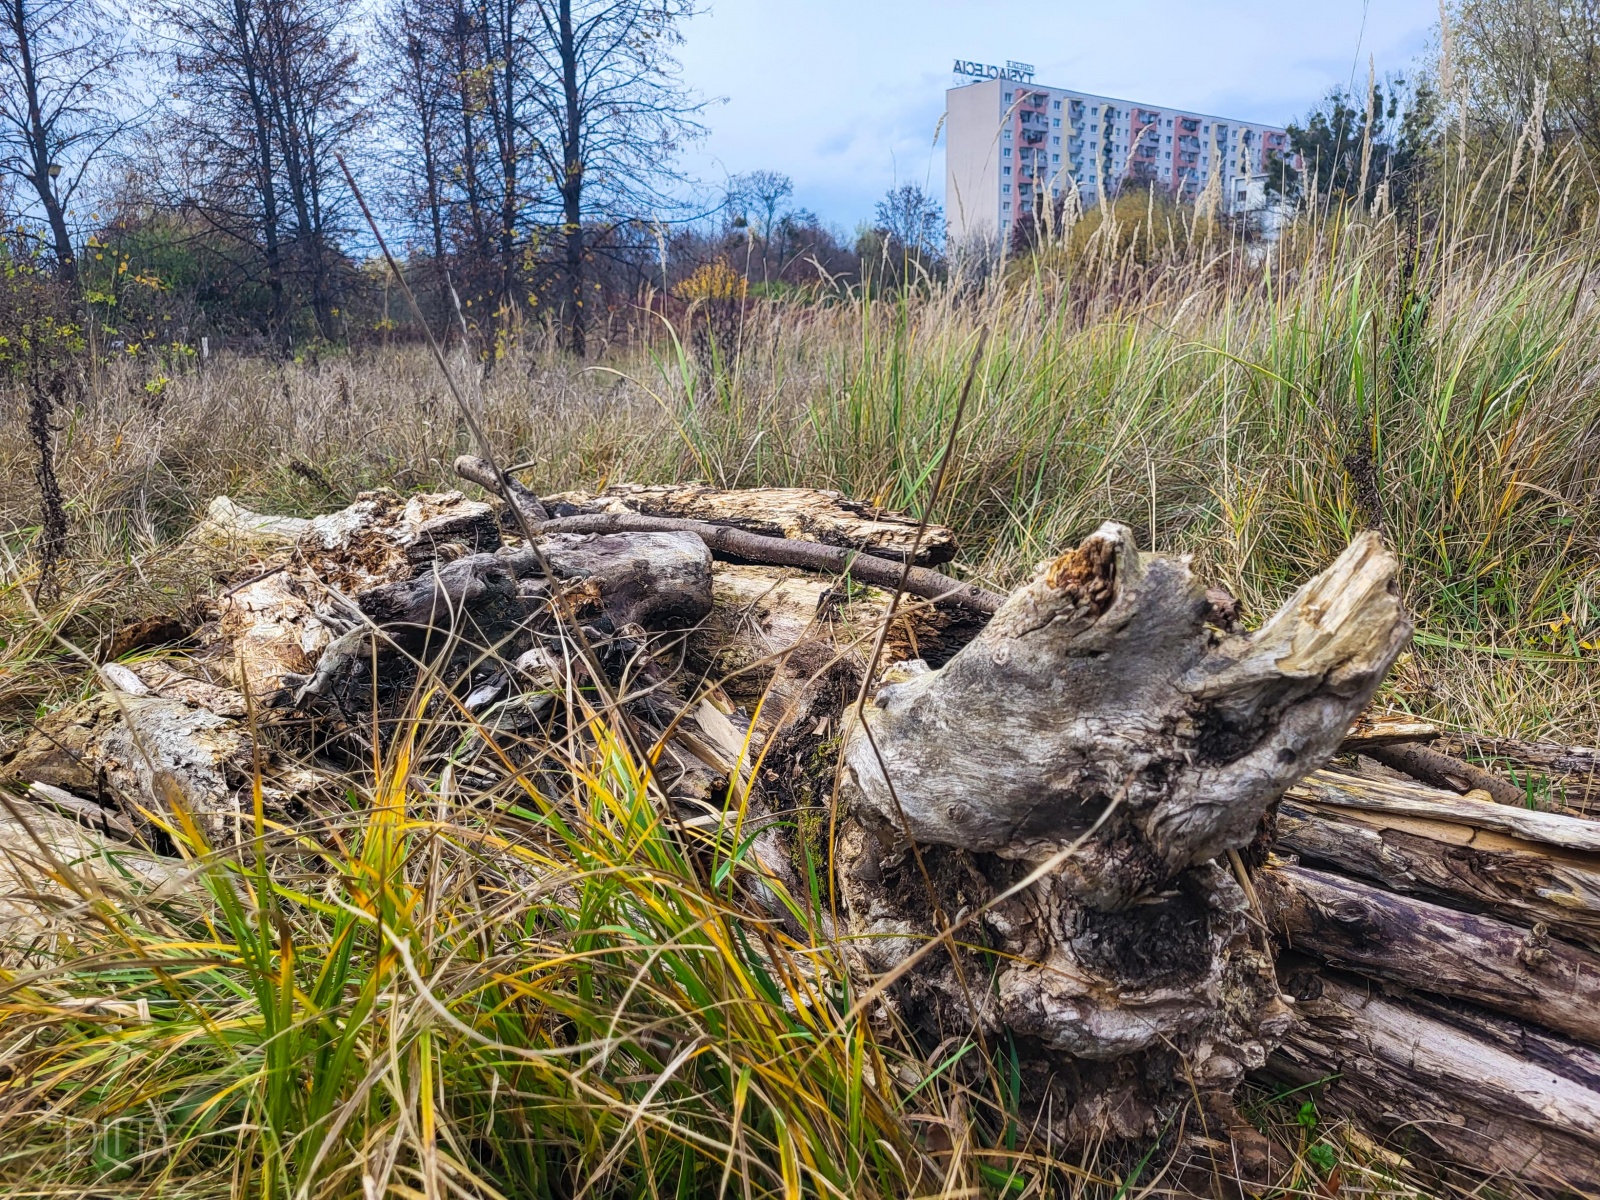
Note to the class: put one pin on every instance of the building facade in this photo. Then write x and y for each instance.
(1011, 146)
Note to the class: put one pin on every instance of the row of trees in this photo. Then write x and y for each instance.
(510, 143)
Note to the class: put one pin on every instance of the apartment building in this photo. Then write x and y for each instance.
(1009, 145)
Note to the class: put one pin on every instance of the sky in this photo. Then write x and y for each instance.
(845, 96)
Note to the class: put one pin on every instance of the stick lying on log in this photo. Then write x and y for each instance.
(1350, 924)
(1396, 1066)
(731, 542)
(792, 514)
(1441, 770)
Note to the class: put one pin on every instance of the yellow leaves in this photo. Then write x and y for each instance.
(715, 280)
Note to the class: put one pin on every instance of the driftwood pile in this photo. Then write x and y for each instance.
(1096, 817)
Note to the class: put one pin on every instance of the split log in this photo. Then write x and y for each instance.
(1516, 864)
(1385, 729)
(1356, 926)
(793, 514)
(1396, 1067)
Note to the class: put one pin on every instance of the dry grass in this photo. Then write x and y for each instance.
(366, 1017)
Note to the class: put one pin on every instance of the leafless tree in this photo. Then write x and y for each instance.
(60, 107)
(757, 196)
(267, 95)
(613, 113)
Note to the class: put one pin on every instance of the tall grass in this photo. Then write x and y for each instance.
(471, 985)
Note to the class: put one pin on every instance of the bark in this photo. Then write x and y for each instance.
(1446, 1086)
(1072, 774)
(1441, 770)
(1572, 773)
(798, 514)
(1100, 683)
(738, 545)
(1356, 926)
(481, 472)
(1521, 866)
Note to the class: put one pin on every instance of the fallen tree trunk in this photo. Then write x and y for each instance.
(1508, 968)
(1404, 1071)
(1441, 770)
(1042, 813)
(1522, 866)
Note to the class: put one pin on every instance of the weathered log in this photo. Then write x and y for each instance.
(1430, 766)
(128, 749)
(1072, 774)
(726, 541)
(1385, 729)
(1523, 866)
(479, 471)
(793, 514)
(1572, 773)
(50, 865)
(1099, 683)
(1396, 1067)
(1511, 969)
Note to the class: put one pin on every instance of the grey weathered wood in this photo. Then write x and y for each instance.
(1512, 969)
(793, 514)
(1397, 1068)
(1439, 853)
(1101, 680)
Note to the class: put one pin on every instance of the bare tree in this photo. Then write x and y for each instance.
(614, 112)
(911, 219)
(464, 131)
(266, 97)
(757, 196)
(60, 111)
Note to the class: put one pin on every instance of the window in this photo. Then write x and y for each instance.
(1057, 122)
(1005, 188)
(1169, 139)
(1006, 153)
(1057, 106)
(1008, 97)
(1055, 158)
(1006, 170)
(1008, 135)
(1056, 141)
(1169, 154)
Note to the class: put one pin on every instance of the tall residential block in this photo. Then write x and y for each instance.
(1010, 145)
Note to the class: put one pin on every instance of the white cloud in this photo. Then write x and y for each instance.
(844, 95)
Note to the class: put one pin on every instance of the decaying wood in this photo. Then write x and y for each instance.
(51, 866)
(1108, 729)
(1571, 773)
(1100, 683)
(793, 514)
(1399, 939)
(1519, 865)
(1399, 1068)
(725, 540)
(1441, 770)
(479, 471)
(1385, 729)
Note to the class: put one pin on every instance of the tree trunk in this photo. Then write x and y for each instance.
(1508, 968)
(1072, 775)
(1529, 1111)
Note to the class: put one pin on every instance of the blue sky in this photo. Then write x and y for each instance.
(845, 95)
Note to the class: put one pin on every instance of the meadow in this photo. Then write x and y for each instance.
(605, 1026)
